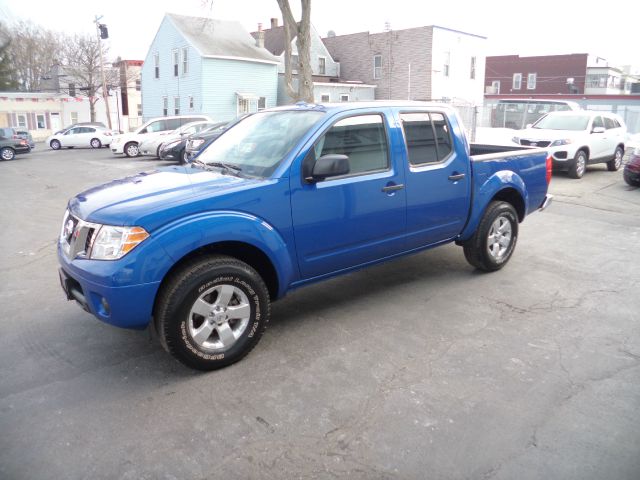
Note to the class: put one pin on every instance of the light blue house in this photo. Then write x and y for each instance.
(205, 66)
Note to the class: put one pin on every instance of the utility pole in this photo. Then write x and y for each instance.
(99, 31)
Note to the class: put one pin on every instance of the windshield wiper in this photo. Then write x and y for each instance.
(225, 167)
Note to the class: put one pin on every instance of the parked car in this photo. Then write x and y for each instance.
(576, 139)
(197, 143)
(9, 147)
(86, 136)
(631, 172)
(176, 149)
(128, 143)
(17, 133)
(285, 198)
(81, 124)
(151, 145)
(26, 135)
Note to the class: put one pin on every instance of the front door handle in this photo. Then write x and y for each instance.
(393, 188)
(455, 177)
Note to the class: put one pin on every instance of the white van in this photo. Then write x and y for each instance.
(128, 143)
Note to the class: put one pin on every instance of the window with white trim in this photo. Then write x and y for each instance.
(496, 86)
(517, 81)
(165, 106)
(344, 97)
(244, 105)
(377, 66)
(74, 117)
(190, 102)
(322, 65)
(531, 81)
(40, 121)
(185, 60)
(176, 105)
(447, 64)
(176, 62)
(325, 98)
(156, 64)
(139, 109)
(22, 120)
(262, 103)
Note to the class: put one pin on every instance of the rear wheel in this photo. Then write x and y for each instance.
(615, 163)
(7, 153)
(131, 149)
(579, 165)
(632, 180)
(95, 143)
(55, 144)
(212, 312)
(493, 242)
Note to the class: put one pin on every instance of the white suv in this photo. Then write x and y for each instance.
(575, 139)
(128, 143)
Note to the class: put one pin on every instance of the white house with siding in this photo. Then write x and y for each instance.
(205, 66)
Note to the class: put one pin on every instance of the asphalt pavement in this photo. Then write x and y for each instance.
(417, 369)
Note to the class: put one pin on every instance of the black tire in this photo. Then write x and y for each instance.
(131, 149)
(479, 251)
(184, 157)
(579, 165)
(199, 285)
(7, 153)
(95, 143)
(632, 181)
(158, 150)
(55, 144)
(615, 163)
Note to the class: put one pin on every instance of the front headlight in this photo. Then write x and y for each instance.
(564, 141)
(112, 243)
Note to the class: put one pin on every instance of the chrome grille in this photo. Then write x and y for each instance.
(76, 236)
(534, 143)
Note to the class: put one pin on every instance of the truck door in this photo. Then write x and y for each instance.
(438, 180)
(356, 218)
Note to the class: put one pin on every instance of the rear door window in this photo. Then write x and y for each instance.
(597, 122)
(427, 137)
(609, 123)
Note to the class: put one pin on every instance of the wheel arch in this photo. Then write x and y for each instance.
(513, 197)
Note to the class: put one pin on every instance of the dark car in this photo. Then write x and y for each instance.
(632, 169)
(24, 134)
(185, 149)
(17, 133)
(10, 146)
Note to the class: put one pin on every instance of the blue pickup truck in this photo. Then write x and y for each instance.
(287, 197)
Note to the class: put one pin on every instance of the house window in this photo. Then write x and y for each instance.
(156, 63)
(40, 122)
(190, 102)
(22, 120)
(496, 86)
(531, 81)
(243, 105)
(176, 61)
(176, 105)
(344, 97)
(139, 109)
(324, 98)
(72, 89)
(322, 65)
(447, 64)
(377, 66)
(517, 81)
(472, 73)
(185, 60)
(138, 85)
(262, 103)
(165, 106)
(74, 117)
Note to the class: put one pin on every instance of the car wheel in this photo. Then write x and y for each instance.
(7, 153)
(615, 163)
(493, 242)
(158, 151)
(95, 143)
(579, 165)
(212, 312)
(184, 157)
(632, 180)
(55, 144)
(131, 149)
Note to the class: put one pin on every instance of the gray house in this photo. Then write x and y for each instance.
(328, 86)
(205, 66)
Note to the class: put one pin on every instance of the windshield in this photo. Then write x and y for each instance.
(563, 122)
(260, 142)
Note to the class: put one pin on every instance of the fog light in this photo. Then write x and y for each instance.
(106, 309)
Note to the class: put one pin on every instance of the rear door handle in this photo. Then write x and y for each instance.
(455, 177)
(393, 188)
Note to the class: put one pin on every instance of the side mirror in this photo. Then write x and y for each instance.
(598, 130)
(332, 165)
(529, 125)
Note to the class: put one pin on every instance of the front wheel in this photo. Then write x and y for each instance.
(131, 149)
(95, 143)
(579, 165)
(185, 157)
(55, 144)
(615, 163)
(212, 312)
(7, 153)
(632, 180)
(493, 242)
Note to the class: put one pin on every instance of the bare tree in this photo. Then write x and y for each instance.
(7, 78)
(302, 32)
(82, 64)
(33, 51)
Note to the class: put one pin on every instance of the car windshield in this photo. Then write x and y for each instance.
(260, 142)
(563, 122)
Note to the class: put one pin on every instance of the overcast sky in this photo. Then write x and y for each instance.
(607, 29)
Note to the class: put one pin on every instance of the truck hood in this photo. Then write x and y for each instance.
(146, 199)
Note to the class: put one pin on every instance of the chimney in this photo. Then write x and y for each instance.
(274, 23)
(260, 38)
